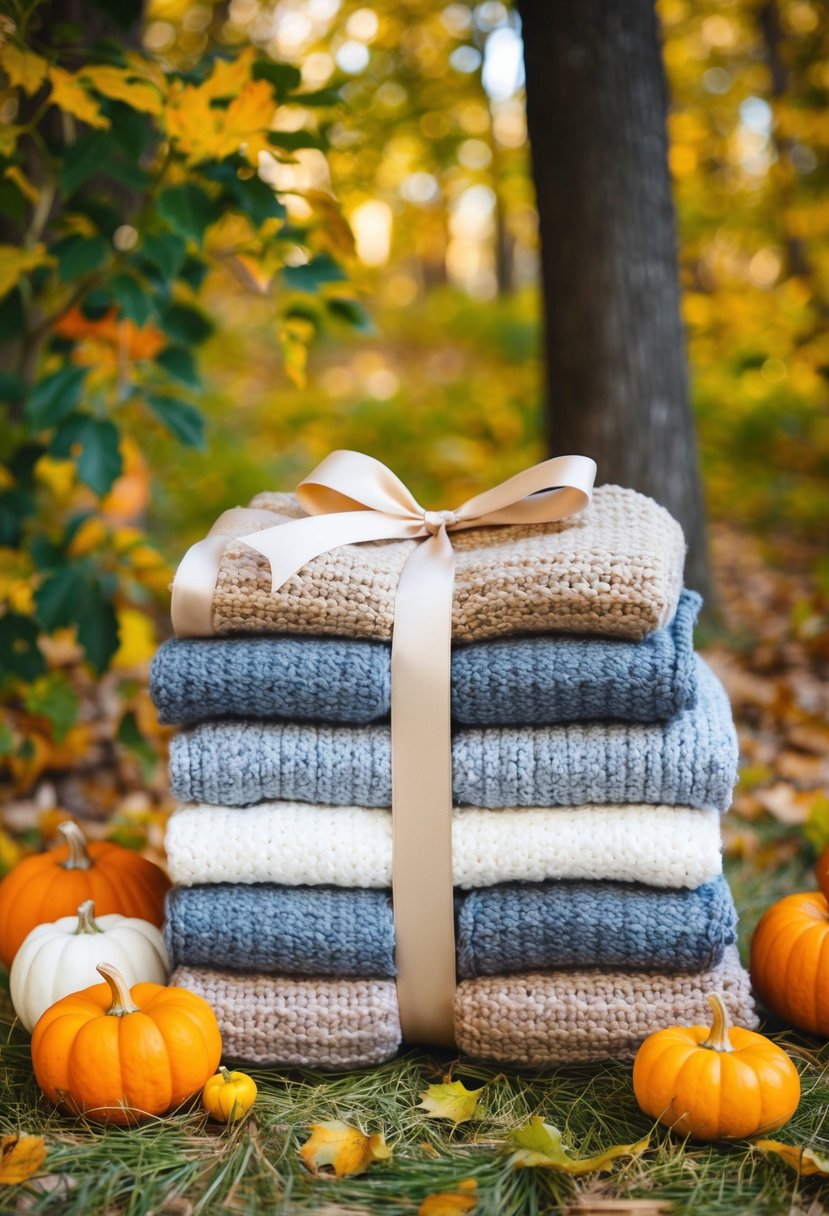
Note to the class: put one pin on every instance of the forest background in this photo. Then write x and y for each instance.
(384, 298)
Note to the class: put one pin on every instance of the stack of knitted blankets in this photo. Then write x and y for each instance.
(593, 752)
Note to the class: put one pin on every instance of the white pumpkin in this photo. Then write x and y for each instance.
(60, 957)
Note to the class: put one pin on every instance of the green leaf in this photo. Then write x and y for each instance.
(283, 76)
(351, 312)
(19, 652)
(130, 736)
(292, 141)
(313, 274)
(319, 97)
(57, 596)
(188, 210)
(539, 1144)
(15, 506)
(97, 626)
(451, 1100)
(83, 159)
(53, 697)
(131, 298)
(178, 361)
(252, 195)
(165, 250)
(180, 418)
(78, 255)
(193, 272)
(185, 324)
(54, 397)
(99, 461)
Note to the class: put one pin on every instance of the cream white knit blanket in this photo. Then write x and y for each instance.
(298, 843)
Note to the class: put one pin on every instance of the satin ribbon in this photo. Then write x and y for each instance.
(351, 497)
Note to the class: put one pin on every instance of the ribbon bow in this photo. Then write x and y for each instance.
(351, 497)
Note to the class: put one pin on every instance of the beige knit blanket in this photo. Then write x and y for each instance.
(614, 569)
(537, 1020)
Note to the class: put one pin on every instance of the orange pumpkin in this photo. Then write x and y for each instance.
(50, 885)
(118, 1055)
(717, 1083)
(788, 960)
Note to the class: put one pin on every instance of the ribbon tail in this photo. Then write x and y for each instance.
(422, 794)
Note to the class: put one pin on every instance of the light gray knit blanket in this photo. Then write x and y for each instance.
(689, 761)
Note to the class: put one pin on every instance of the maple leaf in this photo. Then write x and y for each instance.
(230, 75)
(345, 1149)
(70, 96)
(24, 68)
(805, 1161)
(204, 131)
(451, 1100)
(448, 1203)
(20, 1158)
(539, 1144)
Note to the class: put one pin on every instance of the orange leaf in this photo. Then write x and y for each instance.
(805, 1161)
(345, 1149)
(20, 1158)
(449, 1203)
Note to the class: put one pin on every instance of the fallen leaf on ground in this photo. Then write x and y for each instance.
(346, 1149)
(805, 1161)
(20, 1157)
(448, 1203)
(450, 1100)
(539, 1143)
(787, 804)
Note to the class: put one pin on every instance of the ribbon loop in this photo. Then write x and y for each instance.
(351, 498)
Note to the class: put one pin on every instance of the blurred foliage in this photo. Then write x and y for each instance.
(124, 182)
(219, 169)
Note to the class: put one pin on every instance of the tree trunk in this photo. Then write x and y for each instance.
(616, 375)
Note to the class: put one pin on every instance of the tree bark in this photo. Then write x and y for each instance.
(617, 380)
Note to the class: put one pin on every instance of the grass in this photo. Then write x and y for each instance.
(184, 1165)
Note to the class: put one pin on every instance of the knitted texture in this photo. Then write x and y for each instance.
(515, 680)
(516, 927)
(532, 1020)
(691, 761)
(296, 844)
(571, 1016)
(526, 680)
(613, 569)
(320, 1023)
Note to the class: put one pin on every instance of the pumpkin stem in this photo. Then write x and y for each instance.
(718, 1039)
(86, 918)
(227, 1075)
(78, 858)
(122, 1002)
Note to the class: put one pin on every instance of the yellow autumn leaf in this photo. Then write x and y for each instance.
(9, 135)
(70, 96)
(24, 68)
(124, 84)
(805, 1161)
(345, 1149)
(16, 262)
(204, 131)
(229, 76)
(539, 1144)
(136, 634)
(16, 175)
(451, 1100)
(20, 1158)
(448, 1203)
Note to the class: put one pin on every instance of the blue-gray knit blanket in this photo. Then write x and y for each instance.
(511, 681)
(510, 928)
(689, 761)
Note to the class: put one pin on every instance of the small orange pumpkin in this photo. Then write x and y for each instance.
(51, 885)
(717, 1083)
(788, 960)
(118, 1055)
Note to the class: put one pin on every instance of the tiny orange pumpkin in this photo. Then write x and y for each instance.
(50, 885)
(229, 1095)
(715, 1083)
(118, 1055)
(788, 953)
